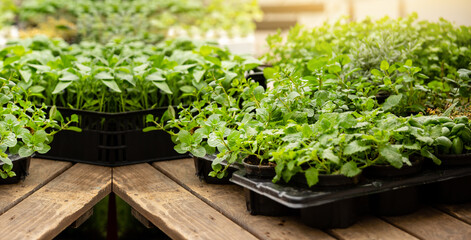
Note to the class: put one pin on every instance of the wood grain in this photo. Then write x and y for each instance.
(170, 207)
(41, 171)
(48, 211)
(432, 224)
(371, 228)
(229, 200)
(460, 211)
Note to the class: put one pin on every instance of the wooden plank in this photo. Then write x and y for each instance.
(58, 204)
(141, 218)
(229, 200)
(274, 25)
(460, 211)
(431, 224)
(170, 207)
(82, 218)
(371, 228)
(293, 8)
(40, 172)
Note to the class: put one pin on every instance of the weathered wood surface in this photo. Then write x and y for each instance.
(371, 228)
(170, 207)
(432, 224)
(229, 199)
(41, 171)
(460, 211)
(56, 205)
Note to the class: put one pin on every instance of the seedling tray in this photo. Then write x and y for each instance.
(20, 167)
(112, 139)
(340, 207)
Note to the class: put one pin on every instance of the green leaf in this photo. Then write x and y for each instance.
(200, 151)
(187, 89)
(163, 86)
(148, 129)
(156, 76)
(425, 153)
(354, 147)
(329, 155)
(75, 129)
(67, 76)
(384, 65)
(198, 75)
(184, 136)
(25, 151)
(316, 63)
(26, 75)
(60, 86)
(104, 76)
(377, 73)
(350, 169)
(312, 176)
(392, 101)
(392, 155)
(112, 85)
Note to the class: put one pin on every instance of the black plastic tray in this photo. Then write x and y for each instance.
(296, 197)
(20, 167)
(340, 207)
(203, 168)
(112, 139)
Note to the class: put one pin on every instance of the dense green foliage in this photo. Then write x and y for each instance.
(118, 77)
(150, 20)
(323, 115)
(25, 127)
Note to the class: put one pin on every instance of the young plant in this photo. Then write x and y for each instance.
(25, 127)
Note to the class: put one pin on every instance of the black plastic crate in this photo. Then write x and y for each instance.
(20, 167)
(112, 139)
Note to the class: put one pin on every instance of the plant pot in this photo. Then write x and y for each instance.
(260, 205)
(330, 181)
(258, 170)
(203, 167)
(20, 167)
(112, 139)
(388, 171)
(450, 160)
(382, 96)
(258, 77)
(452, 191)
(339, 214)
(395, 202)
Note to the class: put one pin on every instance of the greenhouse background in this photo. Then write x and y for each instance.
(208, 96)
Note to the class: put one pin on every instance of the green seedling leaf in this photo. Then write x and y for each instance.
(112, 85)
(74, 129)
(392, 155)
(156, 76)
(104, 76)
(350, 169)
(26, 75)
(67, 76)
(354, 147)
(384, 65)
(61, 86)
(312, 176)
(392, 101)
(163, 86)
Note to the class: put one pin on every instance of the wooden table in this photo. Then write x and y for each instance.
(171, 197)
(54, 195)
